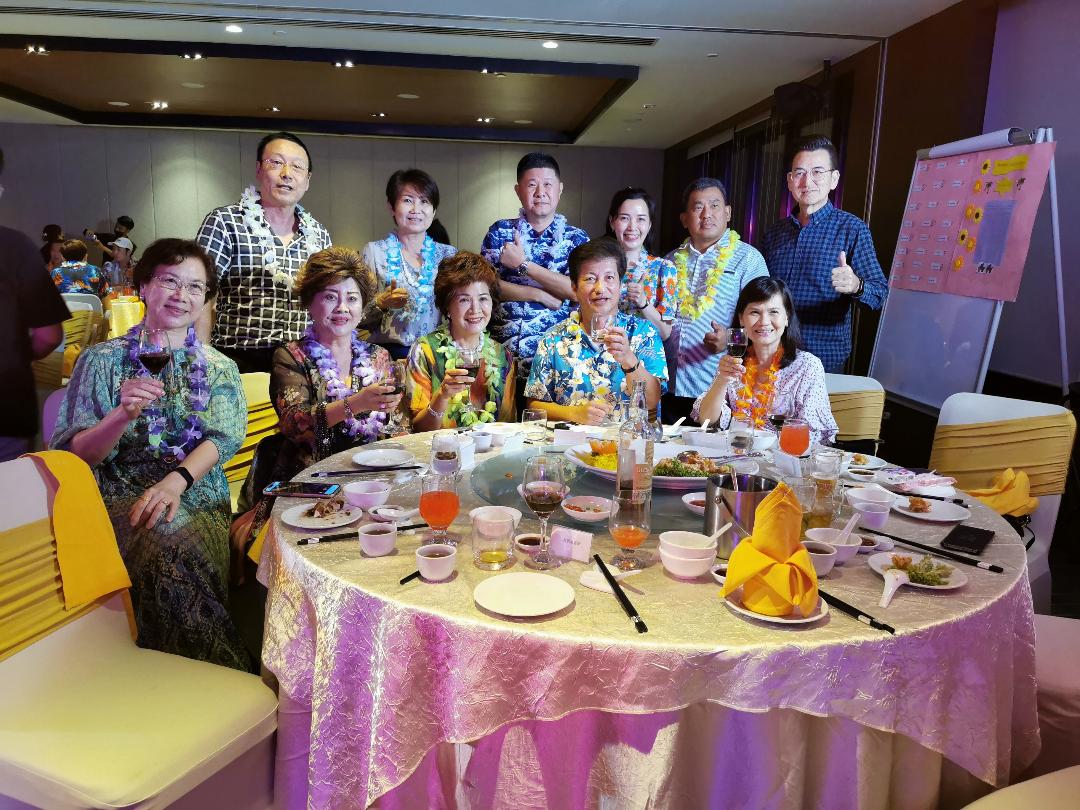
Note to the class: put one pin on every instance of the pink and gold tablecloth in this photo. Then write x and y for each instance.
(392, 674)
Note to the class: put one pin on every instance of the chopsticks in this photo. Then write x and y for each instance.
(616, 589)
(364, 471)
(855, 613)
(334, 538)
(940, 552)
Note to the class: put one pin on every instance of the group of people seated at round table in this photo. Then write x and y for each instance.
(158, 443)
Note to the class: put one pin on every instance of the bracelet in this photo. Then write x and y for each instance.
(643, 306)
(858, 292)
(349, 415)
(186, 475)
(437, 414)
(637, 365)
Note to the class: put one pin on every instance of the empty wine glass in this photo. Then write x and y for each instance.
(544, 490)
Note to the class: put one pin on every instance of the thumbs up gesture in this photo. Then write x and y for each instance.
(716, 340)
(844, 280)
(512, 254)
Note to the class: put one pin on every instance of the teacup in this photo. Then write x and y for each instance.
(377, 539)
(482, 440)
(822, 555)
(436, 562)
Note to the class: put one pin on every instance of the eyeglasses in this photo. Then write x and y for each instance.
(817, 174)
(196, 289)
(276, 165)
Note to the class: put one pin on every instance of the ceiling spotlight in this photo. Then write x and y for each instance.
(346, 64)
(37, 50)
(159, 105)
(550, 43)
(408, 96)
(193, 56)
(522, 120)
(647, 106)
(119, 104)
(272, 109)
(193, 85)
(233, 28)
(484, 120)
(483, 70)
(378, 115)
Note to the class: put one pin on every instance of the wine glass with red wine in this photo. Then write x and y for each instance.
(155, 352)
(396, 380)
(737, 343)
(544, 490)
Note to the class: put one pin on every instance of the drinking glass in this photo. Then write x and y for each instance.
(598, 327)
(795, 437)
(470, 361)
(825, 466)
(155, 353)
(628, 523)
(737, 342)
(445, 452)
(544, 490)
(439, 505)
(535, 422)
(395, 378)
(742, 438)
(493, 542)
(776, 420)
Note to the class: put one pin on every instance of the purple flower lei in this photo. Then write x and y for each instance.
(370, 426)
(198, 397)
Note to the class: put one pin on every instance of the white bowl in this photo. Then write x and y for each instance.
(588, 502)
(391, 513)
(822, 555)
(689, 545)
(435, 569)
(764, 440)
(873, 514)
(830, 536)
(861, 475)
(367, 494)
(495, 513)
(685, 567)
(690, 497)
(528, 549)
(482, 440)
(874, 494)
(377, 539)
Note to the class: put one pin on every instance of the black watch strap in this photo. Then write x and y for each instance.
(637, 365)
(187, 476)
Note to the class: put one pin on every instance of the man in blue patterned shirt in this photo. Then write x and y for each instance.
(825, 255)
(530, 252)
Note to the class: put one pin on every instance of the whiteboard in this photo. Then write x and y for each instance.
(933, 345)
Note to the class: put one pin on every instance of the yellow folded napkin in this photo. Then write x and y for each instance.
(1010, 494)
(86, 550)
(772, 566)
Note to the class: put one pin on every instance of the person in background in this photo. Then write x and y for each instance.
(118, 270)
(589, 363)
(157, 446)
(531, 254)
(76, 275)
(258, 246)
(466, 292)
(52, 233)
(648, 288)
(711, 267)
(31, 326)
(776, 376)
(105, 240)
(51, 255)
(438, 232)
(405, 262)
(825, 255)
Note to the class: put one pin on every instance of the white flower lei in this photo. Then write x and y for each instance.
(255, 220)
(561, 246)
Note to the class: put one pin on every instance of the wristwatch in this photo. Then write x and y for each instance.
(187, 476)
(858, 292)
(523, 268)
(637, 365)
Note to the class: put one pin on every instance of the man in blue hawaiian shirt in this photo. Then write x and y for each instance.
(531, 252)
(590, 362)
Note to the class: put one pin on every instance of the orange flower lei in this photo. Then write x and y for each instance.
(754, 397)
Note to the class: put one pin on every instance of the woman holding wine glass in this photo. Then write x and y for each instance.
(774, 377)
(156, 414)
(459, 375)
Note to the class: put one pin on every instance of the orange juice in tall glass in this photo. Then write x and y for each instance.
(795, 437)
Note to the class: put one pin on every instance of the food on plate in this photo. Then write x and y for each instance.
(326, 507)
(603, 447)
(918, 505)
(698, 502)
(589, 507)
(602, 461)
(689, 464)
(859, 460)
(924, 572)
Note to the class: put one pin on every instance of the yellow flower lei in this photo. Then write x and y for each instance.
(687, 305)
(754, 397)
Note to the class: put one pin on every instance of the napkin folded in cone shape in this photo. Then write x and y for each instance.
(1009, 494)
(772, 566)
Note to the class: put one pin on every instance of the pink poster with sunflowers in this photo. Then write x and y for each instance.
(968, 219)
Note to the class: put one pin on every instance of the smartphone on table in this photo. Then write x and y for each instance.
(307, 489)
(967, 539)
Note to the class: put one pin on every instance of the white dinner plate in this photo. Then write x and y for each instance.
(734, 601)
(383, 458)
(940, 511)
(296, 518)
(523, 594)
(872, 462)
(660, 452)
(958, 579)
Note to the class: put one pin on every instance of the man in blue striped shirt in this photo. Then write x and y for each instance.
(825, 255)
(712, 266)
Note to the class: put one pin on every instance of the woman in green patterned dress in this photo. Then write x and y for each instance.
(157, 447)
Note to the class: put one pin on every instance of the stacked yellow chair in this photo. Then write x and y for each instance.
(857, 404)
(262, 422)
(82, 329)
(87, 718)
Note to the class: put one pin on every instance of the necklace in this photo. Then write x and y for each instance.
(369, 426)
(603, 363)
(691, 305)
(424, 284)
(560, 244)
(198, 397)
(460, 409)
(255, 220)
(756, 393)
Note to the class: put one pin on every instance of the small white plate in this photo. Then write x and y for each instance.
(695, 496)
(940, 511)
(523, 594)
(958, 579)
(393, 514)
(383, 458)
(296, 518)
(872, 462)
(734, 601)
(587, 502)
(883, 544)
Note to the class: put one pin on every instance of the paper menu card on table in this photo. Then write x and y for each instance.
(573, 544)
(569, 438)
(788, 465)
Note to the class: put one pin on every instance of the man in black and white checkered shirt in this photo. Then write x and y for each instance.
(258, 246)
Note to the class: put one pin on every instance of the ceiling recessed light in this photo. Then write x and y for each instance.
(522, 120)
(192, 56)
(500, 75)
(37, 50)
(484, 120)
(280, 33)
(192, 85)
(233, 28)
(647, 106)
(483, 70)
(408, 96)
(550, 44)
(273, 109)
(119, 104)
(711, 55)
(159, 105)
(378, 115)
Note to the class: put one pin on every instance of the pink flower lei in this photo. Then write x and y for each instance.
(370, 426)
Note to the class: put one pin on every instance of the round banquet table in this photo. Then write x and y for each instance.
(406, 696)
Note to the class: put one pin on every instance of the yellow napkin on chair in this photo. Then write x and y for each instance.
(1009, 494)
(772, 566)
(86, 550)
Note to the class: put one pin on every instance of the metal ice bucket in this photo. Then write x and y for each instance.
(726, 503)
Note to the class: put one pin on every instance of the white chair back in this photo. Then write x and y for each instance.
(80, 306)
(49, 412)
(25, 495)
(83, 298)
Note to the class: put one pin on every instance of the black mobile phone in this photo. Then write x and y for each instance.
(309, 489)
(967, 539)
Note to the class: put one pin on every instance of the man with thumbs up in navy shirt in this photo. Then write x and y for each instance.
(826, 256)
